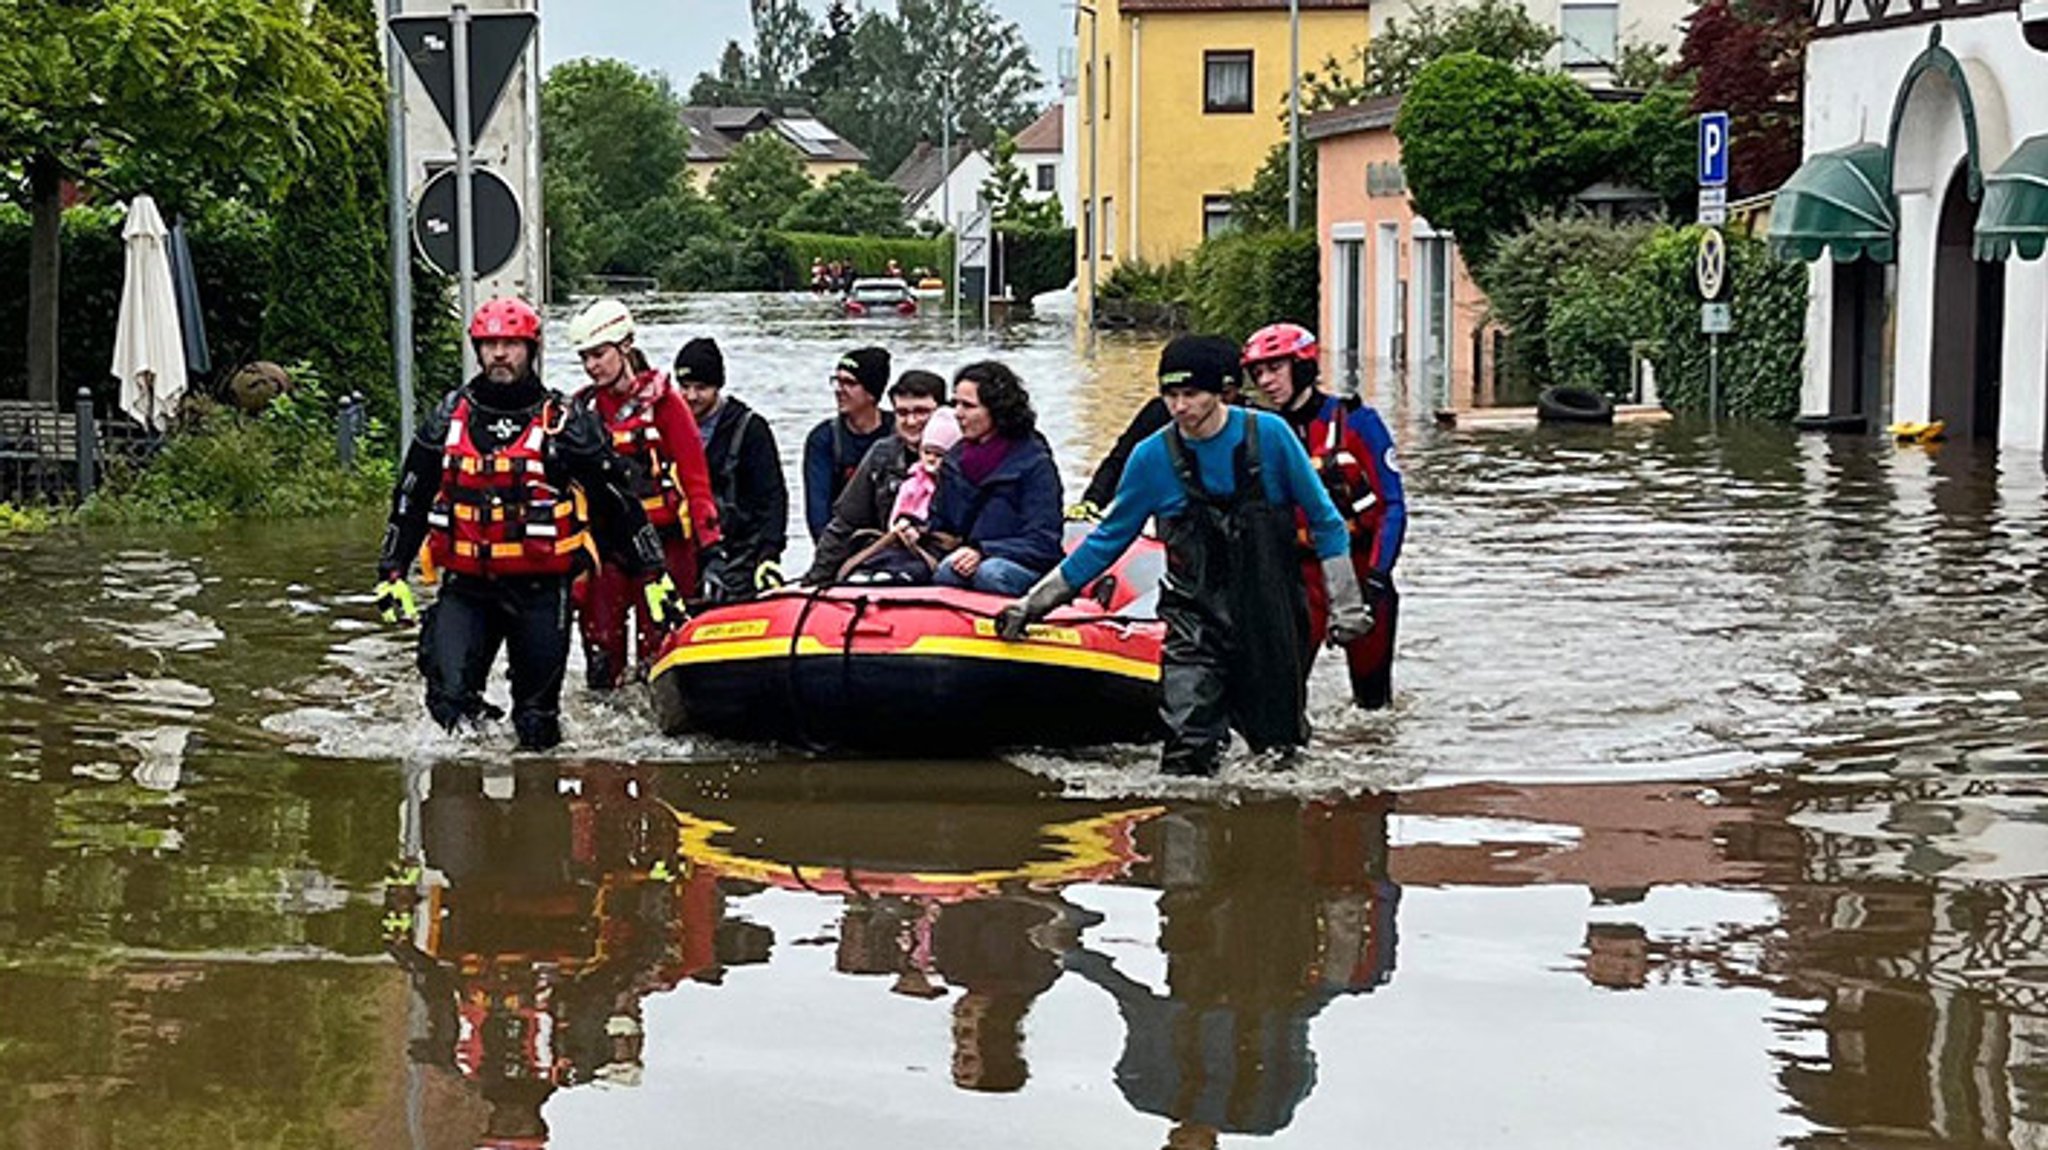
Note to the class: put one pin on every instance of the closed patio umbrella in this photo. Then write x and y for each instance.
(149, 347)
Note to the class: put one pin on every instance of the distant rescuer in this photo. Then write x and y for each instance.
(1352, 451)
(1237, 650)
(497, 485)
(653, 431)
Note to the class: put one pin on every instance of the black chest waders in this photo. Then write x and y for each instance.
(1237, 652)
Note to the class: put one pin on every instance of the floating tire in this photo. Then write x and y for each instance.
(1570, 404)
(1833, 424)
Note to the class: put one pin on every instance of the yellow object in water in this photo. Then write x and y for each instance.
(1932, 432)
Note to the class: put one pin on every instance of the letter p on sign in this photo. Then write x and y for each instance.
(1713, 149)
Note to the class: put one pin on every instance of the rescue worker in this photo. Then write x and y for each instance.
(651, 429)
(1225, 484)
(1102, 485)
(501, 484)
(862, 510)
(1354, 454)
(834, 449)
(746, 467)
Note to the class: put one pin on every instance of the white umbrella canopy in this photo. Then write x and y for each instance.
(149, 349)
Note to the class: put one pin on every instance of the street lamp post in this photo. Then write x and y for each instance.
(1092, 217)
(1293, 114)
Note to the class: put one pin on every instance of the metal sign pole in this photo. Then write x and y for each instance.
(1714, 377)
(465, 162)
(1293, 114)
(401, 249)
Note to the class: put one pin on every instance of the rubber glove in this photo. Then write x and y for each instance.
(664, 606)
(1045, 596)
(1350, 618)
(768, 576)
(395, 601)
(1084, 512)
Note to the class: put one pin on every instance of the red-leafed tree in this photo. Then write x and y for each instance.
(1748, 58)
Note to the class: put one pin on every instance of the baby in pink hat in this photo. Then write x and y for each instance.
(914, 498)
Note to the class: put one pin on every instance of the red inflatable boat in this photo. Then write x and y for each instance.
(919, 670)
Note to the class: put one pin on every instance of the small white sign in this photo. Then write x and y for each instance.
(1717, 318)
(1713, 211)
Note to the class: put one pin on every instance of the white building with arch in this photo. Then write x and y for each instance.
(1923, 206)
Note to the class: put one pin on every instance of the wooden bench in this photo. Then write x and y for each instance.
(32, 430)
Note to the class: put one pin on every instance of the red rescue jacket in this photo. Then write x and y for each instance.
(497, 515)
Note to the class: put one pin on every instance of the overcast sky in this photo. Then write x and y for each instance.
(684, 37)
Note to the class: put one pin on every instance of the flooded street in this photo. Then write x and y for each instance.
(1712, 812)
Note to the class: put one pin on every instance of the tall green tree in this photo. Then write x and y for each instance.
(618, 199)
(182, 98)
(783, 32)
(762, 181)
(1487, 148)
(849, 204)
(1008, 191)
(831, 67)
(1496, 29)
(905, 63)
(328, 303)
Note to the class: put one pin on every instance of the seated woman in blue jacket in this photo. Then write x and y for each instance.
(998, 504)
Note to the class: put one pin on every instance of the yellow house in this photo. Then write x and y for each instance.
(1188, 97)
(715, 132)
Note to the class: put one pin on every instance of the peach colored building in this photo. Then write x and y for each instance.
(1402, 320)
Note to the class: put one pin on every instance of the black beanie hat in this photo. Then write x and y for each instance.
(1203, 362)
(700, 361)
(869, 365)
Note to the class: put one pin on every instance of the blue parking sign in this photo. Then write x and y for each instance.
(1713, 149)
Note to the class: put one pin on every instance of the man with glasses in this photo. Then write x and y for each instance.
(835, 448)
(862, 510)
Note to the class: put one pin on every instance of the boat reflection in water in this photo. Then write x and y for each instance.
(536, 911)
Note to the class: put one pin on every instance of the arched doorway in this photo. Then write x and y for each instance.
(1969, 320)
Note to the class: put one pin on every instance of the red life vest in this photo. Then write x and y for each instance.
(497, 515)
(1342, 460)
(656, 482)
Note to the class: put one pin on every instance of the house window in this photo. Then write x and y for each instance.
(1048, 177)
(1216, 217)
(1108, 227)
(1590, 35)
(1108, 86)
(1087, 229)
(1227, 82)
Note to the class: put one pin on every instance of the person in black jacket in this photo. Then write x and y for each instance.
(862, 510)
(746, 473)
(490, 485)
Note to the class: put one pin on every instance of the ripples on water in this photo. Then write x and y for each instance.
(1718, 819)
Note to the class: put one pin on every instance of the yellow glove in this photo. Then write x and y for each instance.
(395, 601)
(664, 605)
(768, 576)
(1084, 512)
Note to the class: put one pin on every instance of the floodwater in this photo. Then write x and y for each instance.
(1712, 813)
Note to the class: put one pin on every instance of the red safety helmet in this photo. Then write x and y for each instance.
(506, 319)
(1280, 341)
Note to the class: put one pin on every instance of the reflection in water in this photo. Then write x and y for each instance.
(1831, 935)
(1268, 914)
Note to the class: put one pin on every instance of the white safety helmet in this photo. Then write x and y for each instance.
(606, 321)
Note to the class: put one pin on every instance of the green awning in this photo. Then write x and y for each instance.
(2014, 215)
(1836, 200)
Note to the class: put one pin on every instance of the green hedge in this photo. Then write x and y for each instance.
(1525, 281)
(1760, 359)
(1244, 281)
(870, 254)
(1036, 260)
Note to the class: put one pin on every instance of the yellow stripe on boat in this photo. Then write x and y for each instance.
(944, 646)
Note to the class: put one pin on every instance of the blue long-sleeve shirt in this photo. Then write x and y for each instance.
(1149, 487)
(831, 454)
